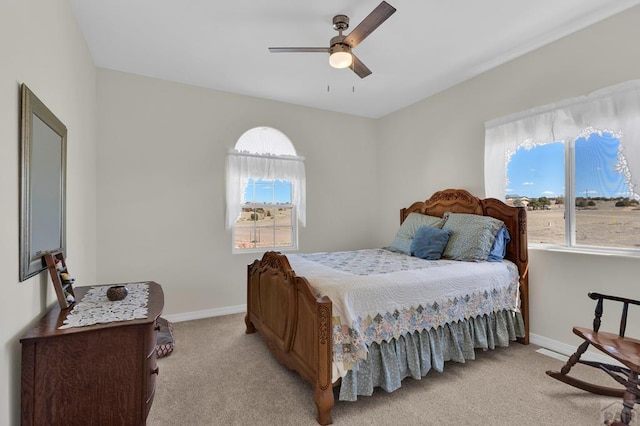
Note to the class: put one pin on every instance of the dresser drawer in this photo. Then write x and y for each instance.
(152, 372)
(151, 338)
(149, 401)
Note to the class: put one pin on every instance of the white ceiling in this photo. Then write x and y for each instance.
(425, 47)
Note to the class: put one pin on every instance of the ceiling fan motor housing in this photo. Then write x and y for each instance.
(337, 44)
(340, 22)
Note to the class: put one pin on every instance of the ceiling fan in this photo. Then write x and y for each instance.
(340, 46)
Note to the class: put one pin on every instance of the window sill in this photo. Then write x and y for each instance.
(264, 250)
(596, 251)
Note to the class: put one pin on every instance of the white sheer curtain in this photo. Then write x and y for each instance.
(615, 109)
(265, 140)
(242, 165)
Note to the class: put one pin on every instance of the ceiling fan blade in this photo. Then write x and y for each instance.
(298, 49)
(370, 23)
(358, 67)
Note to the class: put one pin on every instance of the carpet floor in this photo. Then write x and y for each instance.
(218, 375)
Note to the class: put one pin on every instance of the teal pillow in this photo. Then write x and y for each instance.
(473, 236)
(429, 243)
(404, 237)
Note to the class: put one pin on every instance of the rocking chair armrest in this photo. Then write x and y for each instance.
(596, 296)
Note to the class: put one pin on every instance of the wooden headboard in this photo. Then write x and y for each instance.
(514, 218)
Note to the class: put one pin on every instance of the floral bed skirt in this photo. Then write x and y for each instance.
(415, 354)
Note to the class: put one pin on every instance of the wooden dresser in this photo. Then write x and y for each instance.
(95, 375)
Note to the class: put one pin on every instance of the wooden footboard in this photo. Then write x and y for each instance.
(295, 324)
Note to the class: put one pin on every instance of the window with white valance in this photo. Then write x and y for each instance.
(265, 190)
(612, 115)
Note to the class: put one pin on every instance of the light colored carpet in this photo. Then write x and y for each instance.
(218, 375)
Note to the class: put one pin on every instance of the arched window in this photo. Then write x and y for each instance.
(266, 194)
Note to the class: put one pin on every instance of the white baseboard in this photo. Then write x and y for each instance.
(567, 350)
(207, 313)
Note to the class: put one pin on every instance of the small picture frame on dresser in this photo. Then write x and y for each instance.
(62, 281)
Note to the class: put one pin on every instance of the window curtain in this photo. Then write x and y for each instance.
(615, 109)
(242, 165)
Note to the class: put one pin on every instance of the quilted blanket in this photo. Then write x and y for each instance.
(379, 295)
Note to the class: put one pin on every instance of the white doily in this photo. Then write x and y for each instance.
(96, 308)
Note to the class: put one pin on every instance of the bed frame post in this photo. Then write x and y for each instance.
(323, 395)
(515, 219)
(247, 318)
(523, 267)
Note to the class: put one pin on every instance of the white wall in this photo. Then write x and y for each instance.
(161, 164)
(441, 141)
(41, 45)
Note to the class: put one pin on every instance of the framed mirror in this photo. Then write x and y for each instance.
(43, 184)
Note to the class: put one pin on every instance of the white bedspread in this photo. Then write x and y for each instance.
(379, 295)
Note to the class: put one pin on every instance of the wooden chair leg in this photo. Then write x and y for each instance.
(630, 398)
(573, 359)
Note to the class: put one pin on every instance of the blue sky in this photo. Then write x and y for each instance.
(261, 191)
(539, 172)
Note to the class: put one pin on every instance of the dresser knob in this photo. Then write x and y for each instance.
(155, 370)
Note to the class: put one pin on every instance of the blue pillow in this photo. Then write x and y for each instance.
(499, 249)
(429, 243)
(404, 237)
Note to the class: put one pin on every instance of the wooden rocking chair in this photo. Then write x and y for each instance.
(623, 349)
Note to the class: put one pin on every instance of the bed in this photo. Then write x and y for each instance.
(331, 346)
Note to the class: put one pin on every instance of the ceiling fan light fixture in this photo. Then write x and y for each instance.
(340, 56)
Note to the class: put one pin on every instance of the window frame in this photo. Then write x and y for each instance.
(294, 231)
(273, 205)
(570, 244)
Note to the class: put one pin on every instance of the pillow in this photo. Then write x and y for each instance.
(473, 236)
(402, 241)
(429, 242)
(499, 249)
